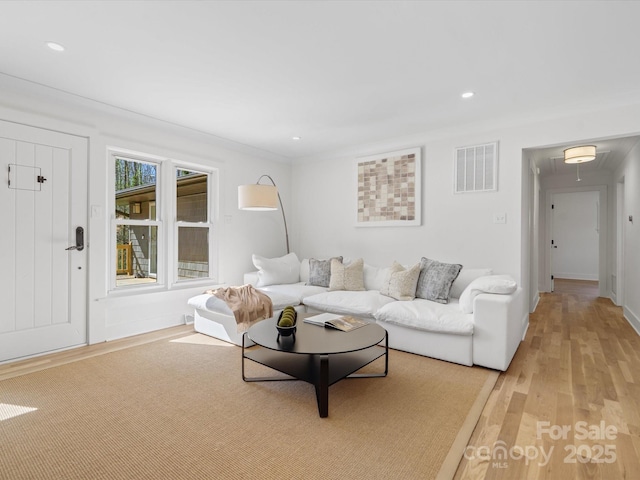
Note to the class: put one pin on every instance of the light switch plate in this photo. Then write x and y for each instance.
(499, 218)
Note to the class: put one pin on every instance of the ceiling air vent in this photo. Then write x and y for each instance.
(476, 168)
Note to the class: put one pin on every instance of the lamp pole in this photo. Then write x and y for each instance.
(284, 219)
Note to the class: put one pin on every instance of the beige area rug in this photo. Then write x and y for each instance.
(179, 410)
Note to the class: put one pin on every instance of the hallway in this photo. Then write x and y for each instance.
(572, 393)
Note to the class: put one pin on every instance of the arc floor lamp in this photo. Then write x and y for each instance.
(259, 197)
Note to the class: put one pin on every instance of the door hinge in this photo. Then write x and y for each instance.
(552, 206)
(551, 277)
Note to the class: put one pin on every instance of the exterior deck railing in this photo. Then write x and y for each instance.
(124, 257)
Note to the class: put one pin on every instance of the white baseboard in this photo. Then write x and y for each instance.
(577, 276)
(526, 327)
(632, 318)
(536, 300)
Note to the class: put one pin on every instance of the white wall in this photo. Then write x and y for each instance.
(240, 233)
(629, 171)
(455, 228)
(319, 193)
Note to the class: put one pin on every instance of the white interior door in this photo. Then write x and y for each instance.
(575, 235)
(44, 199)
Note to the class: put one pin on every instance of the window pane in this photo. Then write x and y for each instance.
(135, 189)
(193, 252)
(191, 191)
(137, 255)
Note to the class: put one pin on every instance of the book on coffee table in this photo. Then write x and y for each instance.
(339, 322)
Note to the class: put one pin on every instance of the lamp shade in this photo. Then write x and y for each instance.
(257, 197)
(582, 154)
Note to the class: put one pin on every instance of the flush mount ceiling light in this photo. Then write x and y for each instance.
(578, 155)
(296, 138)
(467, 94)
(55, 46)
(581, 154)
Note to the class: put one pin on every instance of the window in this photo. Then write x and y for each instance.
(136, 222)
(193, 227)
(160, 222)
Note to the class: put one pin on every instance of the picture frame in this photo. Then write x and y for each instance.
(388, 189)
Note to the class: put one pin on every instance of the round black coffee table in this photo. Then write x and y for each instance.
(317, 355)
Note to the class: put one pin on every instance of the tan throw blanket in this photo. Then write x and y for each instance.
(248, 304)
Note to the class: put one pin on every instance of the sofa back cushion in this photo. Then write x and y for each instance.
(465, 277)
(374, 277)
(275, 271)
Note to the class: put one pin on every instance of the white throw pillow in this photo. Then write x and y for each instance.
(401, 282)
(374, 277)
(465, 277)
(276, 271)
(347, 277)
(500, 284)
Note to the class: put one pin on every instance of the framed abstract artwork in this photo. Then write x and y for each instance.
(388, 189)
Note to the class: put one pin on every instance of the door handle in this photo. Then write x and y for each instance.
(79, 246)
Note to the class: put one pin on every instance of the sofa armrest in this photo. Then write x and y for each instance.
(251, 278)
(499, 322)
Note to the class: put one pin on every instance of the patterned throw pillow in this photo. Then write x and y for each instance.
(347, 277)
(320, 271)
(401, 282)
(436, 279)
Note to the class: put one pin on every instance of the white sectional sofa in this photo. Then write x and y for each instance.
(475, 327)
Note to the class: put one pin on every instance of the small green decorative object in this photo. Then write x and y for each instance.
(286, 324)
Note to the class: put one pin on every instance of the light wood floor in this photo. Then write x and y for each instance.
(579, 362)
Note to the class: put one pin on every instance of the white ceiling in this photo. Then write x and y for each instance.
(337, 74)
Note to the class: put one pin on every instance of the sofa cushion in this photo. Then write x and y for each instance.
(320, 271)
(274, 271)
(436, 279)
(464, 278)
(401, 282)
(427, 315)
(347, 277)
(374, 277)
(499, 284)
(344, 302)
(298, 290)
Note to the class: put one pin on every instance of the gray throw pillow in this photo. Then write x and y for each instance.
(435, 280)
(320, 271)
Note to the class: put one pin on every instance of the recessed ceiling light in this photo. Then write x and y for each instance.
(55, 46)
(467, 94)
(296, 138)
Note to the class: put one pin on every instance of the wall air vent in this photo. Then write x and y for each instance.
(476, 168)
